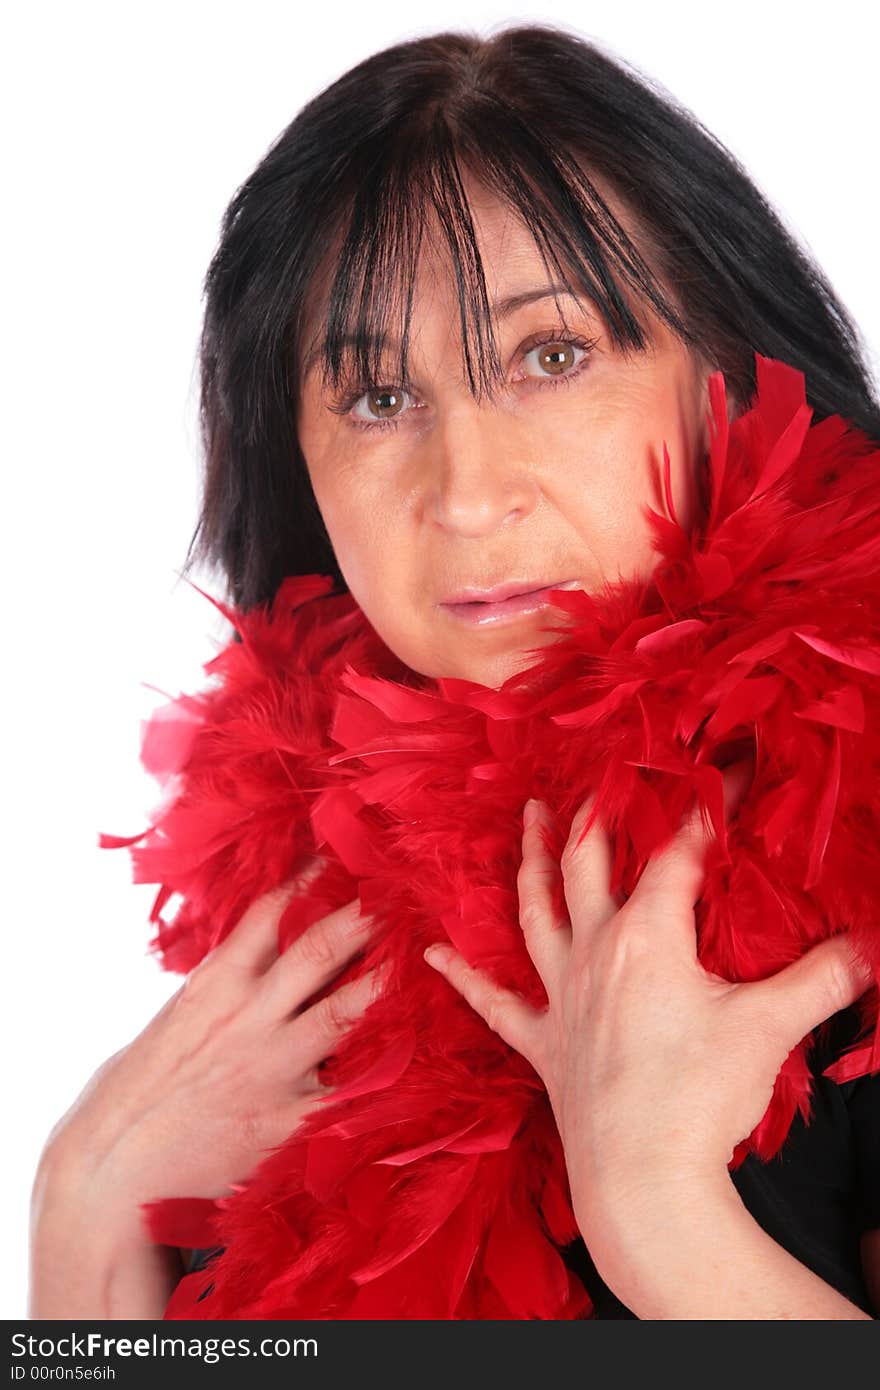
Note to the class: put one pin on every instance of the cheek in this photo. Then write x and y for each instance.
(681, 433)
(341, 486)
(367, 534)
(663, 413)
(613, 473)
(350, 508)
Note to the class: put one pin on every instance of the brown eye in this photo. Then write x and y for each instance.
(384, 403)
(560, 358)
(555, 358)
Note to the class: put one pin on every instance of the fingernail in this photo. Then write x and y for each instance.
(530, 813)
(436, 955)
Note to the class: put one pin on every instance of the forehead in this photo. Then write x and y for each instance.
(509, 262)
(507, 249)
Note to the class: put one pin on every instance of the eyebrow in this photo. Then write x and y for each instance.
(502, 309)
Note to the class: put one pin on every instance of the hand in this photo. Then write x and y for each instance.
(653, 1065)
(228, 1067)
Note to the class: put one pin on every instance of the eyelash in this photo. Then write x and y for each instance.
(344, 404)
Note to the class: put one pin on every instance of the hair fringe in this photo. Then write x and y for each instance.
(375, 160)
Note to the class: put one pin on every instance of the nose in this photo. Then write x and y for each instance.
(479, 478)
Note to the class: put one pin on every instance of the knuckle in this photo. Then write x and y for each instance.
(530, 915)
(333, 1016)
(494, 1013)
(316, 946)
(199, 983)
(838, 979)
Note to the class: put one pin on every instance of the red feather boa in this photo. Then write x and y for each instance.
(434, 1184)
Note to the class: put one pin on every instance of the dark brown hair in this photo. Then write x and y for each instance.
(532, 110)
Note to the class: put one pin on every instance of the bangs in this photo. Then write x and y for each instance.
(414, 181)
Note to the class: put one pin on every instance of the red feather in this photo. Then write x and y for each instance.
(434, 1184)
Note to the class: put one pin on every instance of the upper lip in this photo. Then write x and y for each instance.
(503, 591)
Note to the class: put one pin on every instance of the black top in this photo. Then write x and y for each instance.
(815, 1198)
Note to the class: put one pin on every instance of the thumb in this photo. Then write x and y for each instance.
(830, 977)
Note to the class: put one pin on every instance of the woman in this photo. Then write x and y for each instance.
(455, 315)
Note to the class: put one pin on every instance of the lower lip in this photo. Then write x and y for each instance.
(478, 614)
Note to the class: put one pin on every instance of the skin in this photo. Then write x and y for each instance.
(655, 1069)
(549, 482)
(546, 483)
(225, 1071)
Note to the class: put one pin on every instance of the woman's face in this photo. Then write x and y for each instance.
(427, 494)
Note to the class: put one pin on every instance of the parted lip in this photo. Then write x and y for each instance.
(508, 590)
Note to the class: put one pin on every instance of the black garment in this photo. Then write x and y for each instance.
(814, 1198)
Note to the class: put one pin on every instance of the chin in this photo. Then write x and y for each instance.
(486, 657)
(496, 668)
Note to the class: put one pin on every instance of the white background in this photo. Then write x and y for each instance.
(126, 130)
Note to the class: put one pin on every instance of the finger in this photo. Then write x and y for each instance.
(515, 1021)
(320, 1029)
(547, 933)
(672, 881)
(586, 869)
(253, 941)
(314, 959)
(799, 997)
